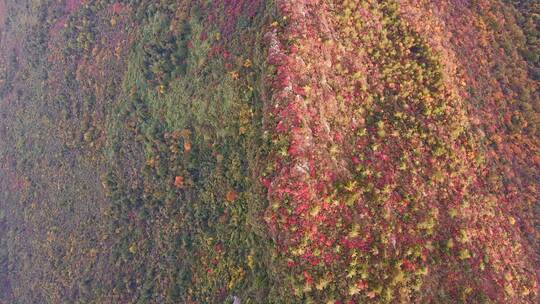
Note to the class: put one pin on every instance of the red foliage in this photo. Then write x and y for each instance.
(117, 8)
(72, 5)
(428, 194)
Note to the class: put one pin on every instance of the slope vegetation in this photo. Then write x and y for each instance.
(306, 151)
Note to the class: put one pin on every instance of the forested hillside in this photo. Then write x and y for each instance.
(269, 151)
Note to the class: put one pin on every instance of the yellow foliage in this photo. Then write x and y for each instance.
(133, 248)
(322, 283)
(464, 254)
(464, 236)
(161, 89)
(315, 210)
(353, 290)
(250, 261)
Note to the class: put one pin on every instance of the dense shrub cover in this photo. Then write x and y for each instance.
(251, 151)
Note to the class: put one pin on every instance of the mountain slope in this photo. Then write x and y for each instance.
(282, 151)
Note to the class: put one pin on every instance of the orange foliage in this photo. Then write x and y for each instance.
(179, 181)
(231, 196)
